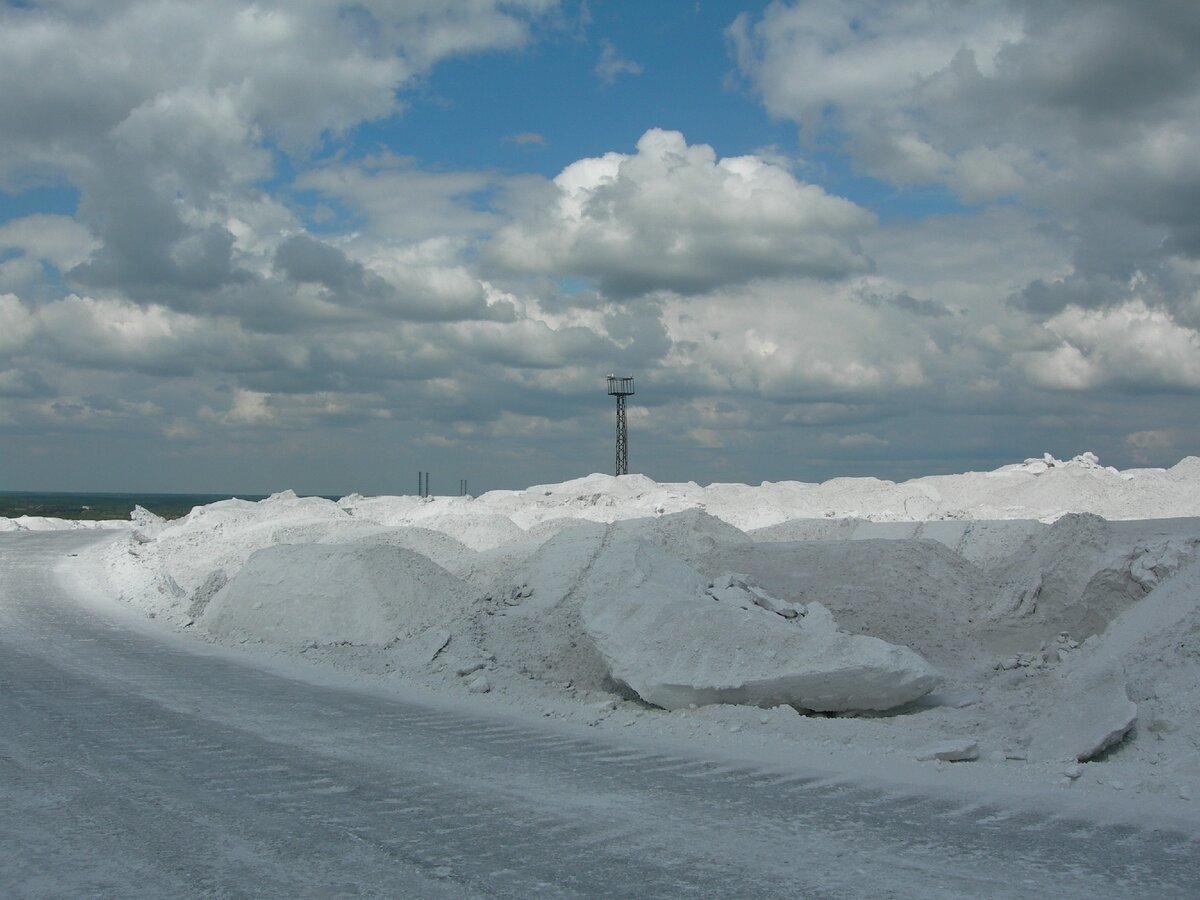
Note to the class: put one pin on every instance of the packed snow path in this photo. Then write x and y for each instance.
(132, 765)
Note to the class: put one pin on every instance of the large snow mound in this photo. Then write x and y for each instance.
(295, 594)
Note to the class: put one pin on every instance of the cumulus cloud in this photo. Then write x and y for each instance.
(166, 115)
(1088, 111)
(672, 216)
(17, 324)
(294, 71)
(119, 335)
(797, 341)
(241, 268)
(979, 91)
(395, 198)
(59, 240)
(1130, 346)
(345, 285)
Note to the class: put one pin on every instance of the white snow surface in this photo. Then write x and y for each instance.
(50, 523)
(1043, 618)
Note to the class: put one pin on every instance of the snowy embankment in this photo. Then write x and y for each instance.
(50, 523)
(1041, 616)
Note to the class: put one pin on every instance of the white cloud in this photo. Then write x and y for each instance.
(251, 409)
(761, 314)
(1075, 107)
(797, 339)
(114, 332)
(987, 173)
(59, 240)
(248, 408)
(165, 115)
(294, 70)
(612, 64)
(1130, 346)
(673, 216)
(118, 335)
(17, 324)
(1157, 439)
(401, 202)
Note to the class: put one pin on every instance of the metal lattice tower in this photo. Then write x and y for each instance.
(621, 387)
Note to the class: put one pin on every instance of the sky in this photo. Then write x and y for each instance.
(247, 247)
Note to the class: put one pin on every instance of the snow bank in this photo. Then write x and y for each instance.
(1039, 615)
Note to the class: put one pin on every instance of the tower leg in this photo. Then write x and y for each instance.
(622, 439)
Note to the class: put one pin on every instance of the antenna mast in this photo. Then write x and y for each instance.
(621, 387)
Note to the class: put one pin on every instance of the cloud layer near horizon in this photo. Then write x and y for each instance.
(242, 293)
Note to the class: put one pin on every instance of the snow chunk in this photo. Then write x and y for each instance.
(663, 636)
(1094, 713)
(950, 751)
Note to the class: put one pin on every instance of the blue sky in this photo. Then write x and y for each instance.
(251, 246)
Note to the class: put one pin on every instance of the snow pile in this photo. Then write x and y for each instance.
(1042, 489)
(1044, 614)
(296, 594)
(1080, 574)
(170, 567)
(1155, 645)
(529, 610)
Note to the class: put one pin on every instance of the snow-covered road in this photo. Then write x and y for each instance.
(136, 765)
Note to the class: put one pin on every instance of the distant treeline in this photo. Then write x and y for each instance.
(103, 506)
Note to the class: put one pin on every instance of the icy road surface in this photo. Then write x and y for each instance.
(133, 765)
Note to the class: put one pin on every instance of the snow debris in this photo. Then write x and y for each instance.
(950, 751)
